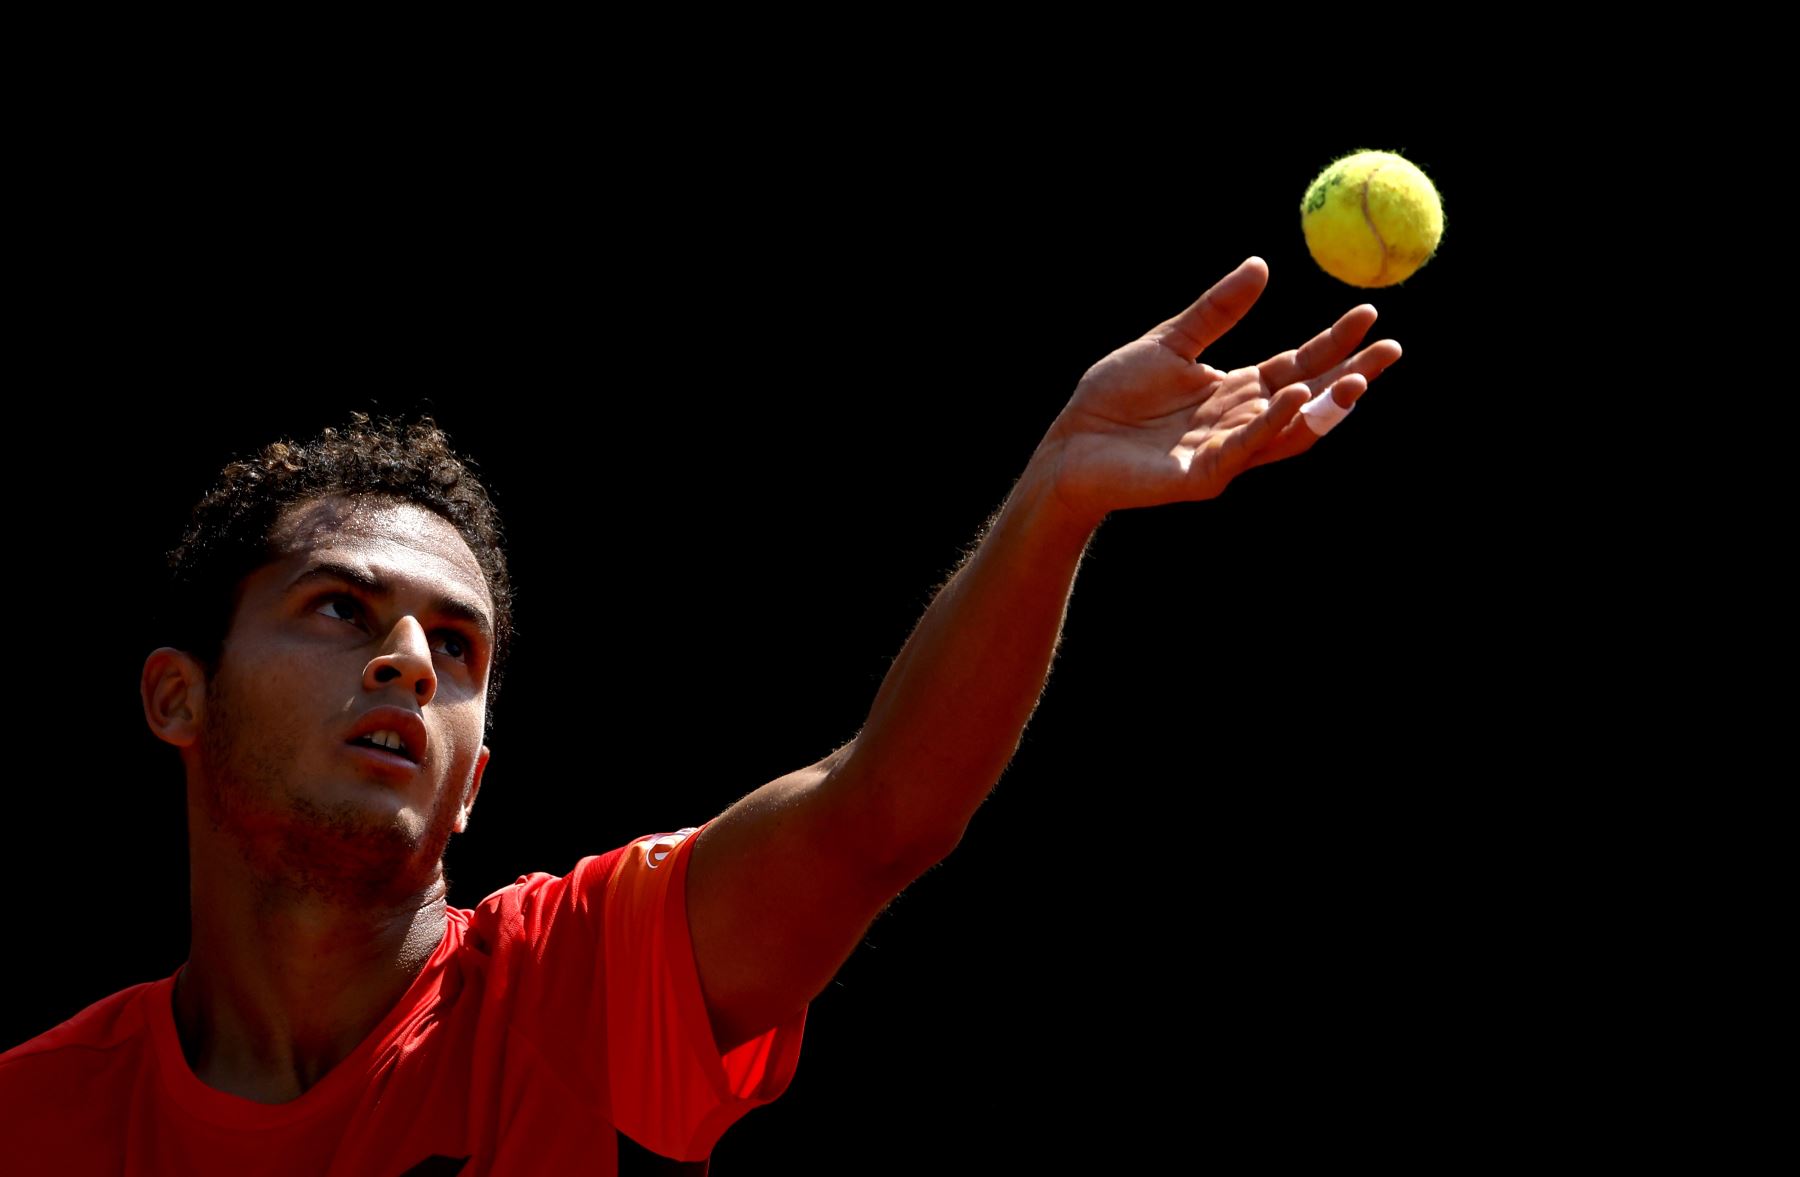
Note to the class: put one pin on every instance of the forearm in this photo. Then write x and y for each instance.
(950, 712)
(782, 885)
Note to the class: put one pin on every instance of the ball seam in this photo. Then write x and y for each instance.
(1382, 271)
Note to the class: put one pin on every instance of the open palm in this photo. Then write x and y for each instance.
(1149, 424)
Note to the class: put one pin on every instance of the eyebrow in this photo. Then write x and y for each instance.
(454, 608)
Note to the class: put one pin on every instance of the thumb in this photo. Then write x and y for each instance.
(1215, 312)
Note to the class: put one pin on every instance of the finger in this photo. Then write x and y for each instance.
(1347, 390)
(1215, 312)
(1268, 426)
(1321, 352)
(1368, 363)
(1327, 411)
(1298, 437)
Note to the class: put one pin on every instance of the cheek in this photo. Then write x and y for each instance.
(268, 710)
(462, 735)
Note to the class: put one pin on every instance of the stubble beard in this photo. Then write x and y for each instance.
(300, 846)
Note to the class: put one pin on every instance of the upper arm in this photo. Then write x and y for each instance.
(780, 889)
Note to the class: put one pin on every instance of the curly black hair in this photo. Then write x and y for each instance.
(227, 535)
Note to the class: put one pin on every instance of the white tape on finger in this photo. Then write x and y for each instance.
(1322, 413)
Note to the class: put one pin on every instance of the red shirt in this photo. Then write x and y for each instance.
(557, 1014)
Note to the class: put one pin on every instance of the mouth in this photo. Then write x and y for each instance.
(388, 744)
(391, 733)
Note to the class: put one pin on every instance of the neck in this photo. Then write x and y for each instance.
(284, 978)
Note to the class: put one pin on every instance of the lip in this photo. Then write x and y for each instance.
(388, 763)
(406, 724)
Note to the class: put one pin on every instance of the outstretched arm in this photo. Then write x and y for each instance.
(784, 883)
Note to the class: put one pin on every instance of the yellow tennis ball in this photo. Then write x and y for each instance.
(1372, 219)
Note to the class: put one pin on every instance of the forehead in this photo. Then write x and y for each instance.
(397, 541)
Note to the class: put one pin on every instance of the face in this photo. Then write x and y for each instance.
(374, 615)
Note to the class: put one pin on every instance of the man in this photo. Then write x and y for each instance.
(336, 1016)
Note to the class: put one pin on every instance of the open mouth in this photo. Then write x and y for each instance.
(384, 741)
(392, 732)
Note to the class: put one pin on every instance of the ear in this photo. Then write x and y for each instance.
(462, 818)
(173, 687)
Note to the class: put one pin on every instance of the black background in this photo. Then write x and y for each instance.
(1277, 864)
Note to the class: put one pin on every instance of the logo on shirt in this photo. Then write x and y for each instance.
(661, 848)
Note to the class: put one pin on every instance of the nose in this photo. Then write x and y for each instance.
(405, 658)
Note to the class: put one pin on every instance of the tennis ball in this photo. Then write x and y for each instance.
(1371, 219)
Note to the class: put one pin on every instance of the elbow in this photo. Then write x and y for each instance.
(895, 841)
(888, 867)
(929, 853)
(908, 860)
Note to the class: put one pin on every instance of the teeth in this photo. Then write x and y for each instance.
(387, 739)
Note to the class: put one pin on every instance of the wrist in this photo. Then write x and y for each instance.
(1041, 496)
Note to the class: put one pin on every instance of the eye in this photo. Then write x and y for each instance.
(341, 608)
(453, 645)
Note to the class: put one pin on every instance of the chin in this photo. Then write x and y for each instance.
(349, 853)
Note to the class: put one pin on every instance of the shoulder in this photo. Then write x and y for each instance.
(104, 1043)
(537, 903)
(105, 1025)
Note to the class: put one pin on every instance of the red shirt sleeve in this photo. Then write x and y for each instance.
(673, 1092)
(598, 972)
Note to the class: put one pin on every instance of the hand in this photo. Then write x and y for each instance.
(1149, 424)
